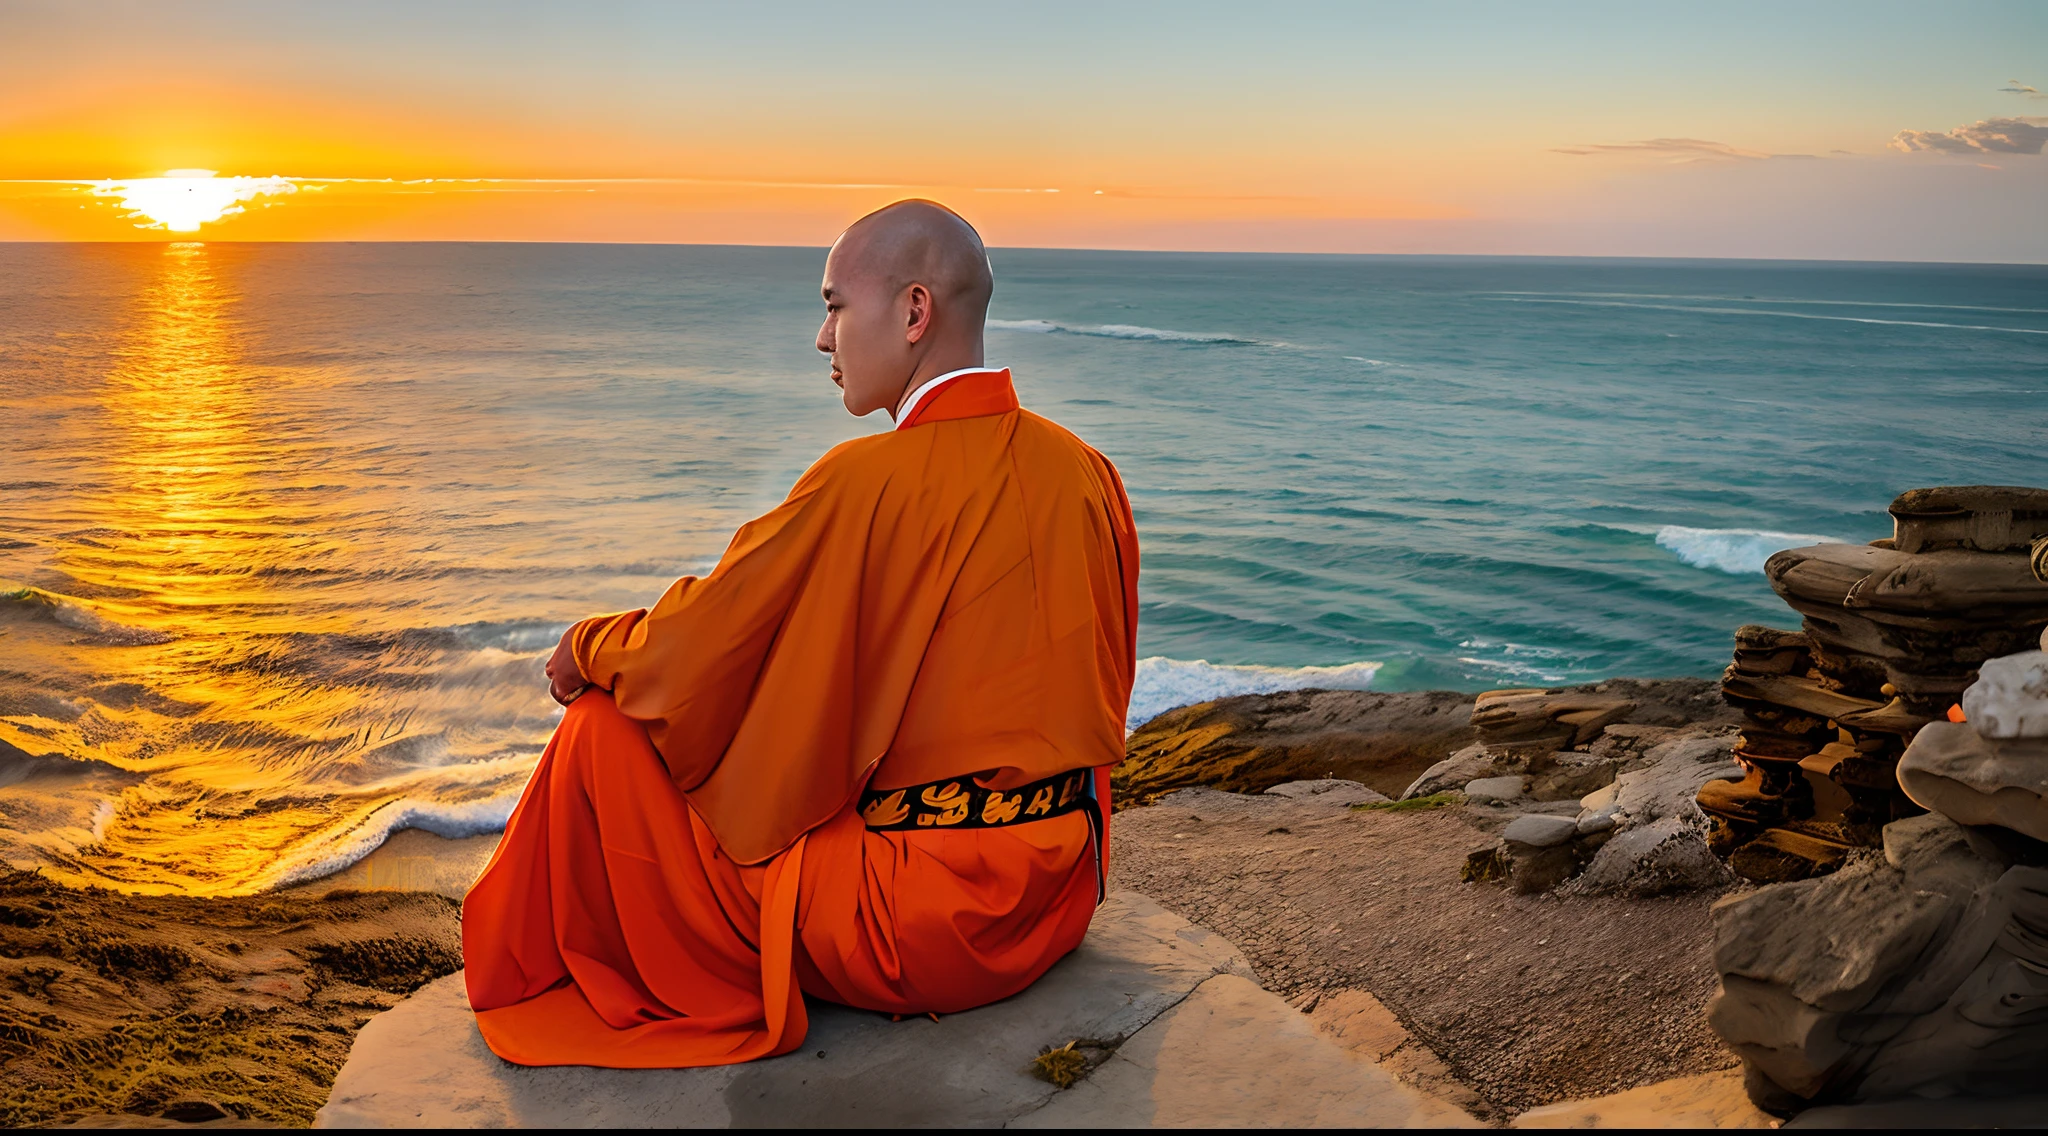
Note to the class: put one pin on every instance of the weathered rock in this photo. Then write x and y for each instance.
(1658, 858)
(1954, 771)
(1454, 772)
(1167, 999)
(1252, 742)
(1885, 580)
(1669, 785)
(1660, 845)
(1662, 709)
(1988, 518)
(1490, 790)
(1624, 742)
(1544, 719)
(1329, 791)
(1916, 974)
(1538, 831)
(1567, 776)
(1532, 870)
(2010, 697)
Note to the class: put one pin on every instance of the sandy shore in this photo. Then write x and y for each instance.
(117, 1008)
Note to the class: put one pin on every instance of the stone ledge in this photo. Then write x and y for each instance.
(1201, 1045)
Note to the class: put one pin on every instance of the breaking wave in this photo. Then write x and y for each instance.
(451, 820)
(1123, 331)
(79, 617)
(1164, 683)
(1738, 552)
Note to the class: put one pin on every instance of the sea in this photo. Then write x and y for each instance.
(287, 530)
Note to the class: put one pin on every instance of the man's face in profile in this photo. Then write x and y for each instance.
(863, 334)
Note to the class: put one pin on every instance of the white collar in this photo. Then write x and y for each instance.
(929, 385)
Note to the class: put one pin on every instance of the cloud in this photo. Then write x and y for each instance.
(2019, 88)
(1677, 149)
(1991, 136)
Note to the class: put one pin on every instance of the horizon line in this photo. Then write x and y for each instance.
(1787, 260)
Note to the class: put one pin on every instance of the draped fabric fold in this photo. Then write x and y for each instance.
(956, 596)
(956, 599)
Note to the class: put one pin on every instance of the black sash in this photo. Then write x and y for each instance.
(960, 803)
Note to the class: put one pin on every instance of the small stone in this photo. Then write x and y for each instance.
(1494, 789)
(1540, 831)
(1592, 822)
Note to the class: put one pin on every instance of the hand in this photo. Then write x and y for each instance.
(565, 682)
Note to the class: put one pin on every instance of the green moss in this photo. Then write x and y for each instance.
(1433, 801)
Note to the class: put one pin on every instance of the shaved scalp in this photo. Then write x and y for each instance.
(923, 242)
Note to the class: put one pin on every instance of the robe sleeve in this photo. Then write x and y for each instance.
(696, 654)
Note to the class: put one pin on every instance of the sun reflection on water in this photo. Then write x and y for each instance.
(243, 734)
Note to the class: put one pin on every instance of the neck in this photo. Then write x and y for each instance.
(932, 366)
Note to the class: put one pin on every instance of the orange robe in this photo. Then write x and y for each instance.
(955, 598)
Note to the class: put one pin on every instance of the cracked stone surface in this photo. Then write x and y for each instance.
(1201, 1044)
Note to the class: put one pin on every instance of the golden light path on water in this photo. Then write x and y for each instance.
(229, 718)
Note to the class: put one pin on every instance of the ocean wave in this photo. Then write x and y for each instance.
(1780, 300)
(1163, 683)
(1777, 315)
(510, 635)
(450, 820)
(79, 617)
(1519, 662)
(1124, 331)
(1738, 552)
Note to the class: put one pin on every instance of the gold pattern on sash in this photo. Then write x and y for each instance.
(951, 801)
(886, 810)
(1041, 802)
(999, 809)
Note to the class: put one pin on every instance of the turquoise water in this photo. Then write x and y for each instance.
(297, 522)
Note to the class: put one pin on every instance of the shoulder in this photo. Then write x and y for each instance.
(851, 462)
(1042, 433)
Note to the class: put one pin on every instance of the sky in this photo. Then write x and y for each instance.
(1803, 130)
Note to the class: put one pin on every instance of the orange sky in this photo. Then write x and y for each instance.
(1811, 130)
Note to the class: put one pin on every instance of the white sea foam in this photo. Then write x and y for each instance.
(102, 815)
(451, 820)
(1120, 331)
(87, 620)
(510, 635)
(1738, 552)
(1777, 315)
(1164, 683)
(1518, 662)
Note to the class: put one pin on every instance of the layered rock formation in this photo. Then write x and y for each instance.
(1924, 973)
(1251, 742)
(1892, 633)
(1586, 790)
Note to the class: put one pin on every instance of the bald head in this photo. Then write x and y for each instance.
(924, 242)
(906, 294)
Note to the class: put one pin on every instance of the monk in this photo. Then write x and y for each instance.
(866, 758)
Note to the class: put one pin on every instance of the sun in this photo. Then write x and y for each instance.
(183, 200)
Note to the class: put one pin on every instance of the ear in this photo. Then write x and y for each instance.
(918, 312)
